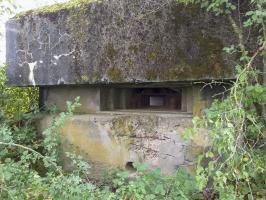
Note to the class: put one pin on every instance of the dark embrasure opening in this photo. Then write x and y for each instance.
(155, 98)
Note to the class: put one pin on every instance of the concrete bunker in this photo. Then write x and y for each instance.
(119, 125)
(120, 98)
(141, 76)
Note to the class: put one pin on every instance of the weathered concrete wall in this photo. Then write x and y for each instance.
(95, 99)
(58, 96)
(111, 140)
(116, 41)
(195, 98)
(121, 41)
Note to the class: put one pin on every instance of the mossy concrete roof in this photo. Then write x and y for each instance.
(58, 7)
(117, 41)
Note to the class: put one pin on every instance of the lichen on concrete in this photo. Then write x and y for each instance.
(115, 74)
(122, 127)
(110, 51)
(117, 41)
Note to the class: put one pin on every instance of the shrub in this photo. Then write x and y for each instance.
(14, 101)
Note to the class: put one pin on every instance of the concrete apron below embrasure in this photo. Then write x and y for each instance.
(118, 139)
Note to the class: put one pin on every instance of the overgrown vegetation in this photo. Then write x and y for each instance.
(30, 168)
(234, 167)
(16, 101)
(235, 164)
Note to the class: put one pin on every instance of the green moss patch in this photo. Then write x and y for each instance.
(111, 52)
(57, 7)
(208, 64)
(115, 74)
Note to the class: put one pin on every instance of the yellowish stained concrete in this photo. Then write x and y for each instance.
(96, 143)
(111, 140)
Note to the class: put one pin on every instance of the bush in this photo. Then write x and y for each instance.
(14, 101)
(30, 169)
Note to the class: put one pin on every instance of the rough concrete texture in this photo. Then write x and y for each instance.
(58, 96)
(194, 98)
(113, 139)
(116, 41)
